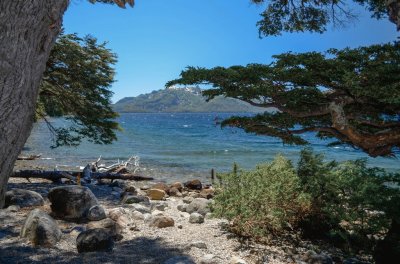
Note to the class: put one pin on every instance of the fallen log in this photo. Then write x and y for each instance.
(71, 175)
(31, 157)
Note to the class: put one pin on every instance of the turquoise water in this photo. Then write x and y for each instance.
(179, 146)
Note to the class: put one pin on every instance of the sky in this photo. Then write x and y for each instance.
(157, 39)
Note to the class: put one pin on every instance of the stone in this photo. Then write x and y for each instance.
(96, 213)
(194, 185)
(196, 218)
(177, 185)
(210, 259)
(13, 208)
(109, 226)
(181, 207)
(180, 260)
(187, 199)
(174, 192)
(145, 187)
(198, 205)
(41, 229)
(156, 212)
(236, 260)
(180, 226)
(207, 193)
(161, 186)
(116, 194)
(161, 221)
(159, 206)
(156, 194)
(117, 189)
(194, 195)
(120, 215)
(131, 189)
(141, 208)
(23, 198)
(94, 240)
(118, 183)
(198, 244)
(71, 202)
(132, 199)
(137, 215)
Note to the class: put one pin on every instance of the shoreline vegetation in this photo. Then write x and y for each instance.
(196, 222)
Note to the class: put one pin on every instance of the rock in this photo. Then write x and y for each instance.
(41, 229)
(156, 212)
(71, 202)
(187, 199)
(207, 193)
(210, 259)
(107, 225)
(182, 207)
(180, 226)
(137, 215)
(96, 213)
(194, 195)
(131, 189)
(23, 198)
(156, 194)
(208, 216)
(133, 199)
(13, 208)
(159, 206)
(196, 218)
(180, 260)
(117, 189)
(145, 187)
(193, 185)
(237, 260)
(161, 221)
(198, 244)
(94, 240)
(177, 185)
(318, 259)
(120, 215)
(199, 205)
(174, 192)
(116, 194)
(141, 208)
(161, 186)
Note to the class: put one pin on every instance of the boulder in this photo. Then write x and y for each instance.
(161, 186)
(23, 198)
(207, 193)
(179, 260)
(210, 259)
(161, 221)
(187, 199)
(174, 192)
(182, 207)
(121, 216)
(13, 208)
(41, 229)
(96, 239)
(198, 205)
(107, 225)
(196, 218)
(177, 185)
(156, 194)
(134, 199)
(194, 185)
(96, 213)
(71, 202)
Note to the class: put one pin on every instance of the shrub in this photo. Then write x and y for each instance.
(266, 200)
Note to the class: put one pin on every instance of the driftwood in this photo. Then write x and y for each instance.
(72, 175)
(31, 157)
(92, 171)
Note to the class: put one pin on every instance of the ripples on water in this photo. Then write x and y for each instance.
(180, 146)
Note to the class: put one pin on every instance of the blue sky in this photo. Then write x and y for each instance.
(157, 39)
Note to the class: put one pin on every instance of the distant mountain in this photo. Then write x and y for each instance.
(181, 100)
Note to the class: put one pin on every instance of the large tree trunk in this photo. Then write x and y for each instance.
(27, 33)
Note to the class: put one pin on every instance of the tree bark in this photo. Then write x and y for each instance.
(28, 30)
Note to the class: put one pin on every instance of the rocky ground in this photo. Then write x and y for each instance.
(174, 228)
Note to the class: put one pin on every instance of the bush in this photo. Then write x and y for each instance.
(348, 203)
(266, 200)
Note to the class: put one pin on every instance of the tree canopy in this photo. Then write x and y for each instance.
(314, 16)
(352, 95)
(76, 85)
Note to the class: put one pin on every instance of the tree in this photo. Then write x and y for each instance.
(28, 30)
(76, 85)
(314, 16)
(352, 95)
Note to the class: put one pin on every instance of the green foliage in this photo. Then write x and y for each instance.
(364, 83)
(76, 85)
(314, 16)
(348, 203)
(265, 200)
